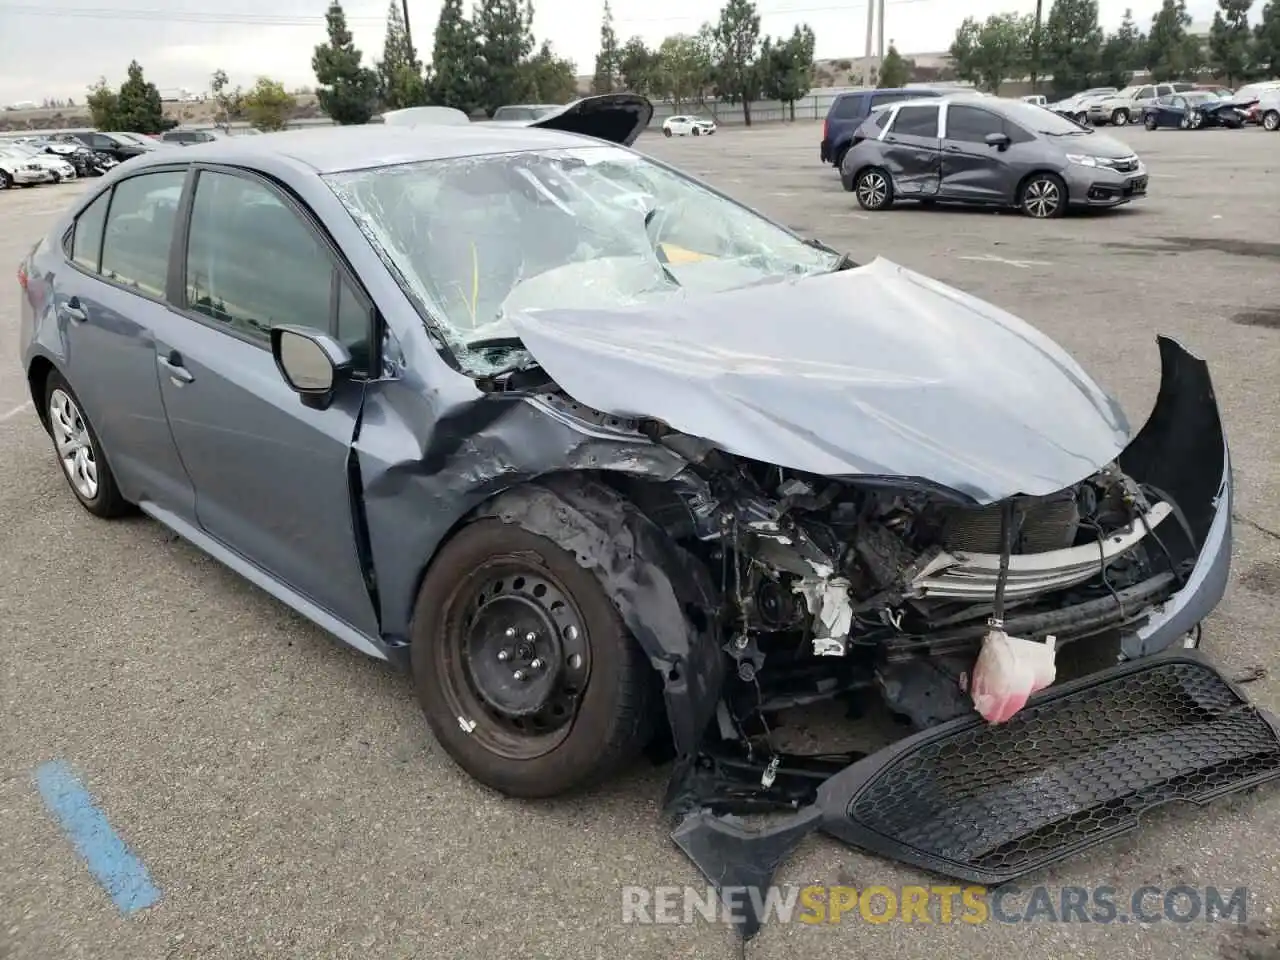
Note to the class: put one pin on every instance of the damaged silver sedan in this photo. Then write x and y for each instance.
(609, 461)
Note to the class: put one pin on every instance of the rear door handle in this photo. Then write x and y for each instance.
(172, 365)
(73, 311)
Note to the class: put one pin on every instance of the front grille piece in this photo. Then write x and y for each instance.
(1074, 768)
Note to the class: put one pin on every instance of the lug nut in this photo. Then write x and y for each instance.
(511, 632)
(519, 675)
(503, 655)
(571, 633)
(536, 663)
(530, 637)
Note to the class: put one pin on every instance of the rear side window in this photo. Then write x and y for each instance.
(86, 239)
(139, 231)
(971, 125)
(882, 118)
(847, 108)
(879, 99)
(916, 121)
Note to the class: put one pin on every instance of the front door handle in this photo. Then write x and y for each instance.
(73, 311)
(172, 365)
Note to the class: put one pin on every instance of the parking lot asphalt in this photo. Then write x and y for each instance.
(285, 795)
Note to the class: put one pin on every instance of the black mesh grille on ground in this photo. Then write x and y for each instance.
(1072, 769)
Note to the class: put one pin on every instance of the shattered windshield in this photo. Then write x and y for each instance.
(475, 239)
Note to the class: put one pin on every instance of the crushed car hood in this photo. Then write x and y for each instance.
(875, 371)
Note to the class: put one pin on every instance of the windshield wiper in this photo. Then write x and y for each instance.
(845, 262)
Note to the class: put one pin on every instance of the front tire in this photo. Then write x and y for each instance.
(1043, 197)
(697, 132)
(525, 672)
(6, 181)
(666, 131)
(1271, 120)
(79, 452)
(874, 189)
(1120, 118)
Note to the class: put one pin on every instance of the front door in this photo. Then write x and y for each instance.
(912, 151)
(973, 169)
(271, 476)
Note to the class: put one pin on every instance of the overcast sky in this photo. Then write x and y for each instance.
(55, 48)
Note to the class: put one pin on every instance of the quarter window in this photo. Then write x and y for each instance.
(971, 125)
(135, 245)
(86, 240)
(916, 122)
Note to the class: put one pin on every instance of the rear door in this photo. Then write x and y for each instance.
(110, 297)
(972, 169)
(912, 150)
(270, 475)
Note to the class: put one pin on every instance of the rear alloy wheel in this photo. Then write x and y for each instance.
(80, 453)
(1043, 197)
(1271, 120)
(1120, 118)
(873, 189)
(523, 667)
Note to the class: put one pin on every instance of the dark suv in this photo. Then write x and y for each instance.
(847, 112)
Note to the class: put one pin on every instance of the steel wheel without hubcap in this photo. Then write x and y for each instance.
(1042, 198)
(518, 659)
(873, 190)
(75, 448)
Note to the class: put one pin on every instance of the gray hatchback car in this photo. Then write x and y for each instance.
(988, 151)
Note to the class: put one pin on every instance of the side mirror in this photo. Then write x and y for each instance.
(312, 363)
(999, 140)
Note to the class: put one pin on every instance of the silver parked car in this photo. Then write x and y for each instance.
(991, 151)
(595, 452)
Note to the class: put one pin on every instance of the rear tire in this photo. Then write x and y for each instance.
(593, 681)
(874, 189)
(839, 161)
(79, 452)
(1151, 123)
(1271, 120)
(666, 131)
(697, 132)
(6, 181)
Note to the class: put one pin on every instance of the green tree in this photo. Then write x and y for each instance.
(506, 40)
(1171, 53)
(1229, 40)
(347, 91)
(736, 57)
(683, 69)
(894, 70)
(1266, 41)
(609, 59)
(1071, 45)
(229, 103)
(138, 106)
(400, 82)
(455, 60)
(269, 105)
(786, 67)
(987, 54)
(1123, 52)
(552, 79)
(638, 67)
(102, 102)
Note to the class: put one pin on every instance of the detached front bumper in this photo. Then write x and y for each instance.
(1104, 187)
(1076, 767)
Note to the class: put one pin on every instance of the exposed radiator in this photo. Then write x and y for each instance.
(1049, 524)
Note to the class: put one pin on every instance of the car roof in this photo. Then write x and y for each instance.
(358, 147)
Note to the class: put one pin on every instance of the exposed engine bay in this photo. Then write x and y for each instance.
(829, 586)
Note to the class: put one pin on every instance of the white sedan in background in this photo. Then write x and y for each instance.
(18, 169)
(685, 126)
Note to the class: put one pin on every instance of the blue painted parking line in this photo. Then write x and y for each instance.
(110, 861)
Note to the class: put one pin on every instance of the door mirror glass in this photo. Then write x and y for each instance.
(1000, 140)
(312, 363)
